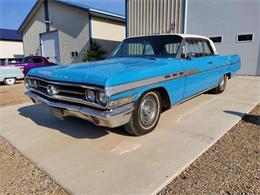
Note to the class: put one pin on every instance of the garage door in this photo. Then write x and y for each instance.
(50, 46)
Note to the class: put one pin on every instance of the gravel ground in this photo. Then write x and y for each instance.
(19, 176)
(12, 94)
(231, 166)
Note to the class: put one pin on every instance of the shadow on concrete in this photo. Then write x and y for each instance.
(71, 126)
(254, 119)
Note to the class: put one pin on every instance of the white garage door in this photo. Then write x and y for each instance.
(50, 46)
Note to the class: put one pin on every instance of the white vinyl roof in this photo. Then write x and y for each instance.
(187, 36)
(201, 37)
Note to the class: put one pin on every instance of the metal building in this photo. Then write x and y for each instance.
(234, 25)
(11, 47)
(62, 30)
(146, 17)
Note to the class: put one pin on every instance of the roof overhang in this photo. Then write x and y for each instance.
(92, 11)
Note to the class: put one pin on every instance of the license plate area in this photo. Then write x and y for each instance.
(58, 113)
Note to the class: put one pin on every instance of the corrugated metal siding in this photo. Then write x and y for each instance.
(146, 17)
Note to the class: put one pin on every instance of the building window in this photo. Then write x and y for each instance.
(216, 39)
(2, 61)
(74, 54)
(244, 37)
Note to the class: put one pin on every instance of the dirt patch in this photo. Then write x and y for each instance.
(13, 94)
(231, 166)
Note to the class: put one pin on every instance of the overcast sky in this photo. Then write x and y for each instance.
(13, 12)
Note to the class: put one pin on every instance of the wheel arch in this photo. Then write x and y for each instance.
(228, 75)
(165, 98)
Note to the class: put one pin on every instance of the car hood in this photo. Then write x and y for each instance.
(107, 72)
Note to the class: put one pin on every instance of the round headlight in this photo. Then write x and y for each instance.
(35, 84)
(90, 95)
(30, 83)
(102, 98)
(26, 83)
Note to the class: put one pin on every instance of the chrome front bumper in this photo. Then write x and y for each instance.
(109, 118)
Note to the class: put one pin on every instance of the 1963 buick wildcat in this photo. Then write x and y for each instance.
(143, 77)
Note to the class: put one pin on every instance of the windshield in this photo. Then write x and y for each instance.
(153, 46)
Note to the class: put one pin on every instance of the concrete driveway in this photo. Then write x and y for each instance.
(85, 159)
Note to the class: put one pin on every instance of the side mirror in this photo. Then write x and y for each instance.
(189, 56)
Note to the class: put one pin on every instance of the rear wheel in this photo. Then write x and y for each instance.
(145, 115)
(10, 81)
(221, 86)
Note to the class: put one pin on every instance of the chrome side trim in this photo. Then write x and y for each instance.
(191, 72)
(142, 83)
(155, 80)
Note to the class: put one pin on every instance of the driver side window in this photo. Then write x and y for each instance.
(195, 47)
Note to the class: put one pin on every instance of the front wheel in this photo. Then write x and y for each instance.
(145, 115)
(221, 86)
(9, 81)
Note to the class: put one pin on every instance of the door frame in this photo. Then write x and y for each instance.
(58, 43)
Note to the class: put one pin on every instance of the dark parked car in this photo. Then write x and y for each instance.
(33, 62)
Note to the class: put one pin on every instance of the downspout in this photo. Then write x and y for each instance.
(126, 18)
(90, 30)
(185, 16)
(46, 14)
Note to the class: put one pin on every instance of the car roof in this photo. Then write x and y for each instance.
(177, 34)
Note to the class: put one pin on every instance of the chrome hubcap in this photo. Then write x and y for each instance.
(148, 111)
(222, 82)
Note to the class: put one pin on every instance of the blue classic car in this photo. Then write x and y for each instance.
(143, 77)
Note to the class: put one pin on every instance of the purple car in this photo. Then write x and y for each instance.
(33, 62)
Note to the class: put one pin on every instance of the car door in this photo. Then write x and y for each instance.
(213, 64)
(197, 68)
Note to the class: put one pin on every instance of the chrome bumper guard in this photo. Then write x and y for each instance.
(108, 118)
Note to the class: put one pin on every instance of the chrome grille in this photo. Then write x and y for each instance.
(63, 89)
(69, 92)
